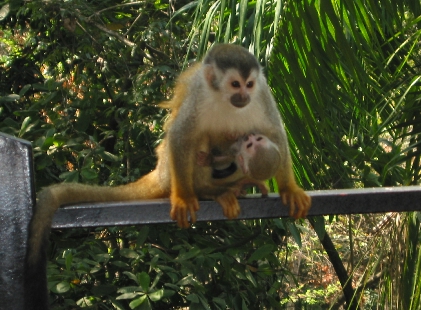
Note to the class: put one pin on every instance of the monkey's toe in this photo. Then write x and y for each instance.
(181, 209)
(299, 203)
(229, 203)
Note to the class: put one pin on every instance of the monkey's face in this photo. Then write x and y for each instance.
(239, 89)
(248, 149)
(236, 89)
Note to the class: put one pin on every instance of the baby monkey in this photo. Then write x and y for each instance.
(249, 162)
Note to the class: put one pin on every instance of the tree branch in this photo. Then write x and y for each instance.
(111, 33)
(237, 244)
(106, 30)
(345, 280)
(116, 6)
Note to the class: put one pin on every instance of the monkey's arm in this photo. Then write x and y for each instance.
(299, 202)
(183, 147)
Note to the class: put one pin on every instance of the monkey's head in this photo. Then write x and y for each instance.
(259, 157)
(232, 71)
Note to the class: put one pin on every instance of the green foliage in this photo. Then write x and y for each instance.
(353, 82)
(347, 79)
(82, 81)
(86, 101)
(211, 266)
(250, 23)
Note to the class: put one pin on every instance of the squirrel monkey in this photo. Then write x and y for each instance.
(226, 96)
(216, 102)
(251, 160)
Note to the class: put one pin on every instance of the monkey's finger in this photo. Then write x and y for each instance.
(233, 211)
(288, 201)
(292, 207)
(182, 219)
(303, 203)
(179, 213)
(196, 205)
(193, 207)
(284, 198)
(307, 204)
(229, 203)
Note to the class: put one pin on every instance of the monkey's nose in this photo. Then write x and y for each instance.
(240, 100)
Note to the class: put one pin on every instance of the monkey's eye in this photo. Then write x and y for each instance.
(235, 84)
(259, 138)
(250, 84)
(249, 145)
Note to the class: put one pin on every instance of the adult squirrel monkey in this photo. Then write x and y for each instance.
(216, 102)
(223, 98)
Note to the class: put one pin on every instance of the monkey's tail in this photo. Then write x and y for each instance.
(49, 200)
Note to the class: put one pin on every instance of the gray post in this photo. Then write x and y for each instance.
(17, 197)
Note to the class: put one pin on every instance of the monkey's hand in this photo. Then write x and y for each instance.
(203, 159)
(299, 202)
(181, 208)
(229, 203)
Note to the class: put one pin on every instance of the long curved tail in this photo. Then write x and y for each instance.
(49, 200)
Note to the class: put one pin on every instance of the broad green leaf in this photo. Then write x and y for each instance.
(157, 295)
(295, 233)
(131, 276)
(129, 253)
(62, 287)
(130, 295)
(188, 280)
(319, 226)
(220, 302)
(144, 280)
(261, 253)
(120, 264)
(250, 277)
(24, 89)
(69, 260)
(138, 301)
(110, 157)
(27, 124)
(143, 235)
(193, 298)
(88, 173)
(193, 252)
(70, 176)
(9, 98)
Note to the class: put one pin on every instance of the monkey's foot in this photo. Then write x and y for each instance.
(181, 208)
(229, 204)
(299, 202)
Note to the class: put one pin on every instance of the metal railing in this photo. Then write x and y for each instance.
(17, 198)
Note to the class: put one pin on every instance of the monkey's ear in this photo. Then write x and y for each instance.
(243, 164)
(209, 74)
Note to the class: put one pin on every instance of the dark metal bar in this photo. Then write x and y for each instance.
(349, 201)
(17, 197)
